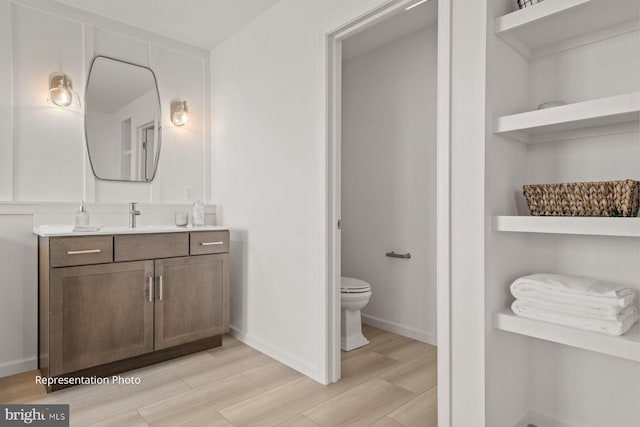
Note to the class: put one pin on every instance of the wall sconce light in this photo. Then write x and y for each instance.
(61, 91)
(179, 113)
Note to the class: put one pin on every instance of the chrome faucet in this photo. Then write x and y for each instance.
(133, 213)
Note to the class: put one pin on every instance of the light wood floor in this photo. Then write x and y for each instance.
(390, 382)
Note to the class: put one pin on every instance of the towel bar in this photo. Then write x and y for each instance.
(392, 254)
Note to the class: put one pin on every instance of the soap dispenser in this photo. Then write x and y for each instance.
(82, 216)
(197, 214)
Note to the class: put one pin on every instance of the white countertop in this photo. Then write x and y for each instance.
(57, 230)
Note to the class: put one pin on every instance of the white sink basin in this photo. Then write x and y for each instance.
(67, 230)
(142, 229)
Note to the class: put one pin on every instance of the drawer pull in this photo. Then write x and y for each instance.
(211, 243)
(161, 287)
(87, 251)
(150, 288)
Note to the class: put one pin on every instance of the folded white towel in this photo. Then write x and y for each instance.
(610, 327)
(594, 311)
(572, 290)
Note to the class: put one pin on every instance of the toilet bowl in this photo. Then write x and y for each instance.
(354, 295)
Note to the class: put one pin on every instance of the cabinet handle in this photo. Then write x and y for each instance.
(161, 287)
(150, 288)
(211, 243)
(87, 251)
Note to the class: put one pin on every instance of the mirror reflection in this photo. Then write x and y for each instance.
(122, 120)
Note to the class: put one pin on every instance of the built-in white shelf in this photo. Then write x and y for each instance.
(626, 346)
(594, 226)
(557, 25)
(620, 113)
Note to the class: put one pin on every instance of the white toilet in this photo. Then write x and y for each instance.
(354, 295)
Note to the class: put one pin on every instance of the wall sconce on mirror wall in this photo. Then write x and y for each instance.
(61, 91)
(179, 113)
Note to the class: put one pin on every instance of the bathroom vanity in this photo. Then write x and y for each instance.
(119, 299)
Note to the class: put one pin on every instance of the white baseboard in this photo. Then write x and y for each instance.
(302, 366)
(541, 419)
(397, 328)
(18, 366)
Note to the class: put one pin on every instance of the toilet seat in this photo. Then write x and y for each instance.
(349, 285)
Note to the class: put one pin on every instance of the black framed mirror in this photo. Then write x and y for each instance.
(122, 120)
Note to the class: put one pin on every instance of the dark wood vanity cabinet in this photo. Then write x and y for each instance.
(99, 314)
(108, 304)
(192, 299)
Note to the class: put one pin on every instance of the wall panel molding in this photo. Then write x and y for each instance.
(6, 88)
(29, 121)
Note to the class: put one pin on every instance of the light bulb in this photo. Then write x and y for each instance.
(180, 118)
(60, 91)
(60, 96)
(179, 113)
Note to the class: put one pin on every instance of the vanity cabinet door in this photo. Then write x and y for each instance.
(192, 299)
(99, 314)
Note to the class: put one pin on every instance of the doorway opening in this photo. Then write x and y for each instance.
(388, 198)
(146, 151)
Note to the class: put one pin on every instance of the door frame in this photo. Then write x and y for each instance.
(334, 41)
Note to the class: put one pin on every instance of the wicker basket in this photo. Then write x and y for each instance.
(527, 3)
(610, 198)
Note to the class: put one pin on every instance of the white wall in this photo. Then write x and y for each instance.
(599, 70)
(269, 176)
(389, 181)
(506, 355)
(19, 302)
(269, 105)
(43, 165)
(46, 37)
(468, 98)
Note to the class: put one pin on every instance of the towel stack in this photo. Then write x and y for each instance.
(575, 301)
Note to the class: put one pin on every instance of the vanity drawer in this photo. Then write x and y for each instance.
(209, 242)
(67, 251)
(135, 247)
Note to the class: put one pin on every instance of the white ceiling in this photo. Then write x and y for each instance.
(202, 23)
(399, 25)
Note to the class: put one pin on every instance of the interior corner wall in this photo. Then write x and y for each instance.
(389, 181)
